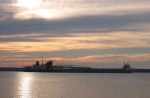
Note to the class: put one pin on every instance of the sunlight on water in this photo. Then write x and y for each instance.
(74, 85)
(25, 86)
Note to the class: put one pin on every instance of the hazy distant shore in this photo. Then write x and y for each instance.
(11, 69)
(102, 70)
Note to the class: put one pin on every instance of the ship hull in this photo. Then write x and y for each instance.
(81, 70)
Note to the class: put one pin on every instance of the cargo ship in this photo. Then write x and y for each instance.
(49, 67)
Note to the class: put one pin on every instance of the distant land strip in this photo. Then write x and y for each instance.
(98, 70)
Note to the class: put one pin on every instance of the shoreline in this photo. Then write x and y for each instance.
(96, 70)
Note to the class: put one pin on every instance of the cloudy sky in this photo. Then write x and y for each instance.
(95, 33)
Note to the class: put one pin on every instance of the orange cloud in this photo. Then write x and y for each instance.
(105, 58)
(81, 41)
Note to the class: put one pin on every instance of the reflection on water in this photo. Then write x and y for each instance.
(25, 86)
(74, 85)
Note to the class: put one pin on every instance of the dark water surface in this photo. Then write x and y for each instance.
(74, 85)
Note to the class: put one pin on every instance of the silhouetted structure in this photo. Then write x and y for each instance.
(37, 63)
(127, 67)
(49, 65)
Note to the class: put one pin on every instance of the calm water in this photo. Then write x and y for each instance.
(74, 85)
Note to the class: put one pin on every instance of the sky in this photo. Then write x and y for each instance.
(94, 33)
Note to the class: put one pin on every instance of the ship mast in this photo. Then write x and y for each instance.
(124, 60)
(42, 60)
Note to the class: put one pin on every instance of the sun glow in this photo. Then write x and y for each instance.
(36, 9)
(29, 3)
